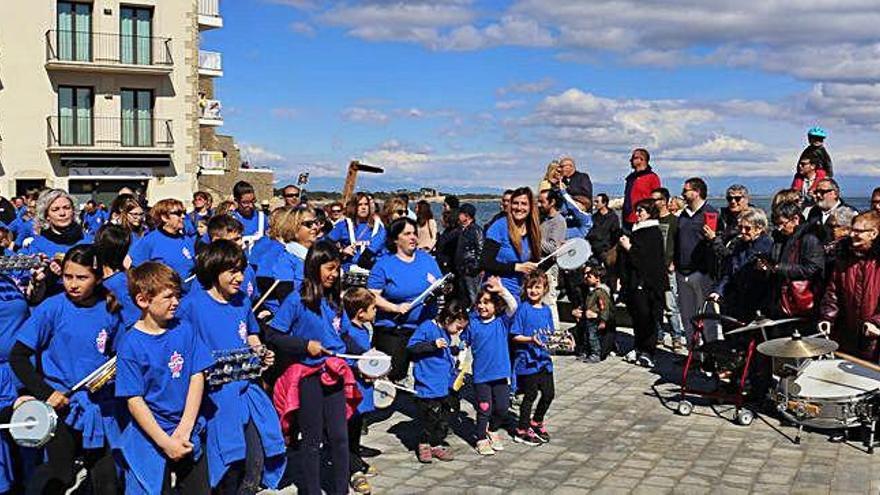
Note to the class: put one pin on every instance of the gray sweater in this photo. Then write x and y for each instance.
(552, 234)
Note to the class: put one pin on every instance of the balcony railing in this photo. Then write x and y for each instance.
(108, 133)
(73, 47)
(212, 161)
(209, 13)
(210, 112)
(210, 63)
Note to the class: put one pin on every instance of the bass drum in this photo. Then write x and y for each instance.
(832, 394)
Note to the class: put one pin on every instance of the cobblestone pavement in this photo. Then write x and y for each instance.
(612, 433)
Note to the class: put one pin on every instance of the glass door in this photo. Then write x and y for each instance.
(74, 32)
(75, 116)
(135, 35)
(137, 117)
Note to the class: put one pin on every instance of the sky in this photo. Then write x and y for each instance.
(464, 95)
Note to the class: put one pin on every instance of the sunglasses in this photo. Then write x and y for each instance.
(731, 199)
(309, 223)
(335, 211)
(176, 212)
(291, 195)
(822, 192)
(400, 212)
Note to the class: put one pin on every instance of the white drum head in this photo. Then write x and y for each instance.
(39, 434)
(383, 394)
(834, 378)
(575, 254)
(376, 366)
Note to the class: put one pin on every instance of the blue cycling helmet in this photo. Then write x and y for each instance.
(818, 132)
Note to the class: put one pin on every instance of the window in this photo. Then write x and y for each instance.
(137, 117)
(136, 31)
(74, 31)
(74, 116)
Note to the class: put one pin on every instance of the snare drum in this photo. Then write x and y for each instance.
(383, 394)
(378, 365)
(831, 394)
(44, 420)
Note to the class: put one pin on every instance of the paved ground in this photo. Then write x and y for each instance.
(613, 432)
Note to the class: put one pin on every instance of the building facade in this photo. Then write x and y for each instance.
(100, 94)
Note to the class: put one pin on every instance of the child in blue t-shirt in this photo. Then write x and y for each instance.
(432, 352)
(112, 243)
(532, 326)
(160, 367)
(360, 307)
(487, 335)
(227, 228)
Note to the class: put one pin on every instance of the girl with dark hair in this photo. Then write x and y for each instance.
(245, 447)
(126, 211)
(355, 233)
(397, 279)
(70, 335)
(427, 226)
(645, 278)
(513, 242)
(320, 388)
(111, 245)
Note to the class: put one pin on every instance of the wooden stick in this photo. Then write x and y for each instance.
(265, 296)
(860, 362)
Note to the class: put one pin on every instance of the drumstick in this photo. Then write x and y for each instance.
(90, 376)
(360, 356)
(556, 253)
(399, 387)
(860, 362)
(189, 279)
(23, 424)
(266, 295)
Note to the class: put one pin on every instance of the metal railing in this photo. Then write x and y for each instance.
(107, 48)
(109, 132)
(210, 60)
(210, 110)
(210, 8)
(212, 160)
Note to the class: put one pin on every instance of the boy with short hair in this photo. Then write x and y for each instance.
(160, 364)
(360, 307)
(598, 314)
(228, 228)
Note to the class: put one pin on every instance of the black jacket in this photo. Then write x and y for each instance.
(644, 264)
(468, 251)
(799, 256)
(605, 232)
(579, 184)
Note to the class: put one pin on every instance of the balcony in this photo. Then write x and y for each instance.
(212, 163)
(210, 64)
(106, 135)
(108, 53)
(210, 113)
(209, 14)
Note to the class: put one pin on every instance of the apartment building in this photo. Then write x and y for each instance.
(100, 94)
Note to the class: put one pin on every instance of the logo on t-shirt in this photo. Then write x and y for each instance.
(337, 323)
(101, 341)
(250, 289)
(186, 253)
(431, 278)
(175, 364)
(242, 331)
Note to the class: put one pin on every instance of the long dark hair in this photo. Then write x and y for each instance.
(312, 291)
(424, 213)
(533, 229)
(86, 255)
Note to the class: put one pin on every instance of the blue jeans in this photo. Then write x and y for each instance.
(672, 307)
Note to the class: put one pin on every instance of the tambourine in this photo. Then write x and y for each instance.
(372, 364)
(19, 262)
(233, 365)
(33, 424)
(572, 255)
(385, 391)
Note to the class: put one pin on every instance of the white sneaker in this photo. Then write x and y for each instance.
(495, 441)
(646, 361)
(630, 356)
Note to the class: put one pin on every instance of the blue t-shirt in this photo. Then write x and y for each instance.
(507, 254)
(288, 268)
(220, 325)
(294, 318)
(252, 223)
(118, 285)
(488, 343)
(401, 282)
(249, 284)
(363, 237)
(264, 253)
(528, 321)
(42, 245)
(22, 229)
(191, 222)
(158, 368)
(434, 372)
(94, 220)
(176, 251)
(71, 341)
(13, 313)
(359, 338)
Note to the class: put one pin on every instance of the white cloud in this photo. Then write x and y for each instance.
(365, 115)
(304, 29)
(257, 154)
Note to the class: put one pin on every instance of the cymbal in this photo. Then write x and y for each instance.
(763, 323)
(797, 347)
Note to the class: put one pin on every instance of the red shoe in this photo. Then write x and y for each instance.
(424, 453)
(541, 432)
(442, 453)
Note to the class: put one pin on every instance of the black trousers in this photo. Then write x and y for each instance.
(57, 474)
(355, 431)
(244, 476)
(530, 385)
(492, 404)
(646, 310)
(191, 476)
(322, 410)
(392, 341)
(434, 416)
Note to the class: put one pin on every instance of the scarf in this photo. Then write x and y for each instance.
(67, 236)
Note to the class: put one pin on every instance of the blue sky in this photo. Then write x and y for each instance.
(479, 96)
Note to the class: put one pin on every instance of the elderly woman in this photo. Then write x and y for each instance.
(742, 288)
(850, 308)
(396, 280)
(167, 243)
(56, 225)
(513, 242)
(644, 276)
(796, 264)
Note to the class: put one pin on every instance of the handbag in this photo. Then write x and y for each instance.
(797, 297)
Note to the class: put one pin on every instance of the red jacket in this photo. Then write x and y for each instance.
(638, 187)
(798, 182)
(852, 297)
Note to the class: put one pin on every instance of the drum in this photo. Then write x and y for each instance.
(41, 421)
(384, 393)
(355, 277)
(831, 394)
(374, 364)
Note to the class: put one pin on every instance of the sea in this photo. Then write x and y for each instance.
(487, 208)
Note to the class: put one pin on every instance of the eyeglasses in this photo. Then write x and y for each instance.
(732, 199)
(136, 213)
(291, 195)
(309, 223)
(822, 192)
(335, 211)
(746, 228)
(178, 213)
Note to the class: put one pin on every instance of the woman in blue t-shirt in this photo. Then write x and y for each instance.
(57, 227)
(127, 212)
(297, 230)
(167, 243)
(357, 231)
(396, 280)
(513, 243)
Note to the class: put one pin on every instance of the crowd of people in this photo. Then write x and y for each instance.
(167, 292)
